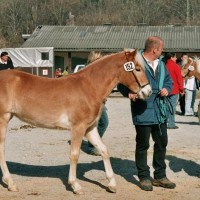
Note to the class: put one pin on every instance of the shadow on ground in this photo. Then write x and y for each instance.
(124, 168)
(178, 164)
(189, 123)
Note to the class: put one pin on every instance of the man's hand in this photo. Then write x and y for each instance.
(163, 92)
(132, 96)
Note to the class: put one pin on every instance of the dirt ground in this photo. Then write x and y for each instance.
(39, 161)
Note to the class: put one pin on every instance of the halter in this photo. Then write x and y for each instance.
(129, 66)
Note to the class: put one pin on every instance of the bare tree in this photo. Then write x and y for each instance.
(13, 15)
(23, 16)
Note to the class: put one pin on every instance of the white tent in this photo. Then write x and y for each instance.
(31, 57)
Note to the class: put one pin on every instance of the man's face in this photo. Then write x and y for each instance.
(4, 58)
(158, 50)
(184, 59)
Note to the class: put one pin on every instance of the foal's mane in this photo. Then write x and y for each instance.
(97, 56)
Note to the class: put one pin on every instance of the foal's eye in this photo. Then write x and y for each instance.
(137, 69)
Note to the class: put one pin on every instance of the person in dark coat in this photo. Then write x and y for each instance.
(150, 117)
(5, 61)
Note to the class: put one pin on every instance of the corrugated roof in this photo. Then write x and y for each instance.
(113, 38)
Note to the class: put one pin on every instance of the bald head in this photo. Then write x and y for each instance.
(153, 42)
(153, 48)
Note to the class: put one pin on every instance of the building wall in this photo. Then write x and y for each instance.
(71, 59)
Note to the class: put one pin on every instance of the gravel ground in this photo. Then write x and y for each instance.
(38, 159)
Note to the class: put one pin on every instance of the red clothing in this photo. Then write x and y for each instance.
(175, 73)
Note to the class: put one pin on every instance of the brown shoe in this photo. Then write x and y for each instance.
(163, 182)
(146, 185)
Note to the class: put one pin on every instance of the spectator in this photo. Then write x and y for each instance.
(5, 61)
(103, 121)
(175, 73)
(182, 61)
(65, 72)
(191, 84)
(58, 73)
(149, 117)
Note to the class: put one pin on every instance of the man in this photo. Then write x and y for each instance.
(149, 117)
(5, 61)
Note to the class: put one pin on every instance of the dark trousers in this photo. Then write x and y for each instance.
(182, 104)
(160, 138)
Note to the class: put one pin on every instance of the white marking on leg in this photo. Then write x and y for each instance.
(94, 138)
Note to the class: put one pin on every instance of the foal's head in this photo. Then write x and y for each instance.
(133, 75)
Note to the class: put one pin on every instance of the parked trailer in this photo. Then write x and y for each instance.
(38, 61)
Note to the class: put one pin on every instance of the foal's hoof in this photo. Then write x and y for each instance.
(112, 189)
(13, 188)
(79, 192)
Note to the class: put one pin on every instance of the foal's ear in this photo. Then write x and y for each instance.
(135, 52)
(129, 50)
(132, 51)
(190, 60)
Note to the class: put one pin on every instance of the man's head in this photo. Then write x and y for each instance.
(184, 58)
(4, 56)
(154, 46)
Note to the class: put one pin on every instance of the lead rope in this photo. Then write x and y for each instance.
(163, 102)
(164, 106)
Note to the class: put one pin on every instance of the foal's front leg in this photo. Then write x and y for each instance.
(94, 138)
(76, 141)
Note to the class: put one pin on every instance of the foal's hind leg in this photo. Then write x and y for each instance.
(7, 179)
(94, 138)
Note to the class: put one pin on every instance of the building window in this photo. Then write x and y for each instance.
(45, 55)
